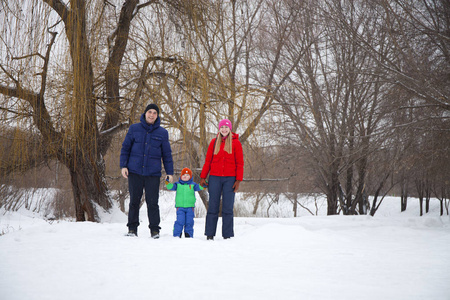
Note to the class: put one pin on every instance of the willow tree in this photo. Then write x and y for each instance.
(60, 80)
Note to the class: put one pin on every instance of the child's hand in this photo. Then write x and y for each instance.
(167, 181)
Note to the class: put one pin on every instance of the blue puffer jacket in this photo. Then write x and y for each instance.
(143, 148)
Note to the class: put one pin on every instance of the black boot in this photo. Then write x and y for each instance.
(187, 235)
(132, 233)
(154, 234)
(209, 238)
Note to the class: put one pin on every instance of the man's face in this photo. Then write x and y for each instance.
(150, 116)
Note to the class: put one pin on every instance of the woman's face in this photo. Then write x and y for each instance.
(224, 130)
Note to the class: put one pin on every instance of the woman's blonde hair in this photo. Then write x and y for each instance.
(228, 147)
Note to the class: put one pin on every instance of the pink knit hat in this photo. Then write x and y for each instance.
(225, 122)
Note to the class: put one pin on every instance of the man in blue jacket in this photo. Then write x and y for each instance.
(145, 144)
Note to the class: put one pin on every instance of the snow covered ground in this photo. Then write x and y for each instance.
(390, 256)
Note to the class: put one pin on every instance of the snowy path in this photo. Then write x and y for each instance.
(293, 258)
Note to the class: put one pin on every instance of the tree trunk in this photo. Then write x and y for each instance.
(257, 201)
(427, 196)
(420, 191)
(361, 199)
(375, 206)
(421, 205)
(403, 198)
(349, 195)
(349, 209)
(373, 210)
(332, 195)
(331, 205)
(446, 202)
(89, 189)
(295, 205)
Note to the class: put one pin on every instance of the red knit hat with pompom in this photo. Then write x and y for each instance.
(186, 171)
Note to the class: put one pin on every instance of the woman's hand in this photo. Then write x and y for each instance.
(203, 183)
(236, 185)
(125, 172)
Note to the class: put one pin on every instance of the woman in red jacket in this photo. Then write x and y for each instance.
(225, 164)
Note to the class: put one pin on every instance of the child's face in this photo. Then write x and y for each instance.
(185, 177)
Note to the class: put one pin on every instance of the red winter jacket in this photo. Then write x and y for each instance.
(223, 163)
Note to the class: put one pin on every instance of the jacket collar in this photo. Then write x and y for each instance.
(190, 181)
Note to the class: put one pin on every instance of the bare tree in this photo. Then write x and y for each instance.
(335, 101)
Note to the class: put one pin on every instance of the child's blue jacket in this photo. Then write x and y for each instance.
(185, 192)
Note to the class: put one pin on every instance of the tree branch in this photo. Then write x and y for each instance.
(27, 56)
(45, 67)
(41, 117)
(120, 35)
(9, 75)
(115, 129)
(140, 6)
(61, 9)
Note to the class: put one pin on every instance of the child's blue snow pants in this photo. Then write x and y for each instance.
(185, 218)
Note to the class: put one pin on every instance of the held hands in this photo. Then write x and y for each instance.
(203, 183)
(124, 172)
(169, 179)
(236, 185)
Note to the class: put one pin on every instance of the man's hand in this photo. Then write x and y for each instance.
(125, 172)
(169, 178)
(236, 185)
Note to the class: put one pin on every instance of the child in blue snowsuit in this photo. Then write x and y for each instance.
(185, 203)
